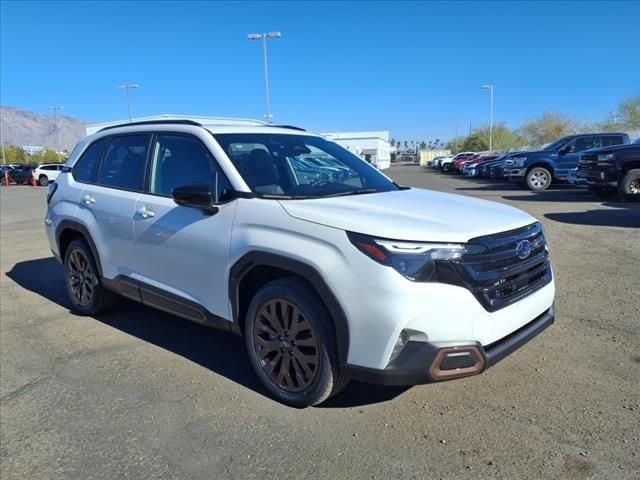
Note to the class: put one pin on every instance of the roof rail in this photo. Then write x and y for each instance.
(292, 127)
(153, 122)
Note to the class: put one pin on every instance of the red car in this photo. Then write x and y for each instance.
(458, 164)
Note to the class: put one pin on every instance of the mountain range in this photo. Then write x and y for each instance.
(20, 127)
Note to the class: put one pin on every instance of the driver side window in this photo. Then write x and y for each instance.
(180, 160)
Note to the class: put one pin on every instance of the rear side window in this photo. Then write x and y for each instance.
(611, 140)
(86, 169)
(124, 163)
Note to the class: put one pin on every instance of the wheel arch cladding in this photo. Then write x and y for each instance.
(67, 232)
(254, 269)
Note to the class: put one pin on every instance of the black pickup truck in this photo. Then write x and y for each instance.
(612, 170)
(536, 170)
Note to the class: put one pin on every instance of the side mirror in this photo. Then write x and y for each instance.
(195, 195)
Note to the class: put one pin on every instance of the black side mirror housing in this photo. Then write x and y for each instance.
(195, 195)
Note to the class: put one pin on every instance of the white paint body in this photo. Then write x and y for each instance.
(191, 255)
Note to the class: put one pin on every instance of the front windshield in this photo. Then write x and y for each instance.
(557, 144)
(299, 166)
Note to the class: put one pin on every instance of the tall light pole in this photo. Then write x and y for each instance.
(55, 109)
(264, 37)
(126, 87)
(490, 88)
(4, 159)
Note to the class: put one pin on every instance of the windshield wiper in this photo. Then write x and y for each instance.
(352, 192)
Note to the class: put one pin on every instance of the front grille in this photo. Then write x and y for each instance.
(498, 276)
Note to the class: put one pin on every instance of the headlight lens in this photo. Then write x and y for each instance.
(416, 261)
(519, 161)
(605, 157)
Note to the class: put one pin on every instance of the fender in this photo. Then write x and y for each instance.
(258, 258)
(80, 228)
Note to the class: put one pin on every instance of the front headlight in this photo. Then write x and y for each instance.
(518, 161)
(606, 157)
(416, 261)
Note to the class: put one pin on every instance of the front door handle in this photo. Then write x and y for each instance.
(145, 212)
(88, 200)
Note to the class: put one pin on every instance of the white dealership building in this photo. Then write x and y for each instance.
(373, 147)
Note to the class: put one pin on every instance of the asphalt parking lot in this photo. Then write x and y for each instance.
(141, 394)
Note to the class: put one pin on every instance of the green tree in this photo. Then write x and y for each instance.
(625, 118)
(548, 127)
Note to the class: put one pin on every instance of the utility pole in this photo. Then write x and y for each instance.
(490, 88)
(4, 159)
(267, 93)
(126, 87)
(55, 109)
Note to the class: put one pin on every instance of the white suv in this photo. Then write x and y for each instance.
(45, 174)
(243, 226)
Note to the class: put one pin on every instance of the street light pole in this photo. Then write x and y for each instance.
(264, 37)
(490, 88)
(126, 87)
(55, 109)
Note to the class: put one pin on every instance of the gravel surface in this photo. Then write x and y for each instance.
(141, 394)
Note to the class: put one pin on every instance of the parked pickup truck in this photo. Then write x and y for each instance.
(612, 170)
(536, 170)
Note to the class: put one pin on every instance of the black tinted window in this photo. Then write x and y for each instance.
(86, 169)
(611, 140)
(124, 162)
(585, 143)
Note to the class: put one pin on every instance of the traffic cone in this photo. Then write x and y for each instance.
(33, 178)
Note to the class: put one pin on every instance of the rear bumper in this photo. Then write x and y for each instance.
(425, 362)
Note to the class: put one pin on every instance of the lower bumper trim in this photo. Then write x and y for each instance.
(427, 362)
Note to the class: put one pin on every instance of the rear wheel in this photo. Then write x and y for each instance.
(84, 286)
(446, 167)
(290, 340)
(629, 185)
(43, 180)
(538, 179)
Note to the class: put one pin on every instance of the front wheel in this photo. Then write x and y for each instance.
(629, 185)
(43, 180)
(538, 179)
(290, 340)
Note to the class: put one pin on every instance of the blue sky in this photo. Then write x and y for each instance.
(406, 67)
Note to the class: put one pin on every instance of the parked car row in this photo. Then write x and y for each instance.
(21, 174)
(606, 163)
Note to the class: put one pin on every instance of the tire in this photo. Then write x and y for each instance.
(629, 186)
(604, 192)
(446, 167)
(295, 374)
(83, 283)
(538, 179)
(43, 180)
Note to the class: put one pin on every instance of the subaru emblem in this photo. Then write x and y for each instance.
(523, 249)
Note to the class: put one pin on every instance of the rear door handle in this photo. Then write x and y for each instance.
(145, 212)
(88, 200)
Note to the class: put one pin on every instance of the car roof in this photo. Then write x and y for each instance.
(213, 124)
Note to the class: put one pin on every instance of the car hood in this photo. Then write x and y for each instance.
(412, 214)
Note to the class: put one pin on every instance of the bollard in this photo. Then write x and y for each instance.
(6, 178)
(33, 178)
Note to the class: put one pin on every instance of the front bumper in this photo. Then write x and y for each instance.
(427, 362)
